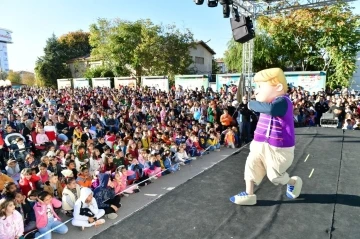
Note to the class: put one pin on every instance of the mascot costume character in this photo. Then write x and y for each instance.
(272, 150)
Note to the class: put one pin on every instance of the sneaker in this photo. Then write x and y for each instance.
(112, 216)
(99, 222)
(182, 163)
(82, 228)
(217, 150)
(294, 191)
(244, 199)
(136, 190)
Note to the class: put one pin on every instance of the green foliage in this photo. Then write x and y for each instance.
(28, 79)
(100, 71)
(3, 75)
(14, 77)
(325, 39)
(215, 68)
(266, 54)
(57, 52)
(141, 47)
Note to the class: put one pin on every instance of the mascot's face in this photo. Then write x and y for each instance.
(265, 92)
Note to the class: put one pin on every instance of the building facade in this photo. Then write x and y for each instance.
(221, 65)
(202, 56)
(5, 38)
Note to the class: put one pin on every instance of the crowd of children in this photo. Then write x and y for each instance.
(78, 152)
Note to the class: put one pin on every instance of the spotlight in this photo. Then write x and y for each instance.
(235, 13)
(212, 3)
(226, 10)
(228, 2)
(199, 2)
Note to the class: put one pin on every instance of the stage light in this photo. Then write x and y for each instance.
(212, 3)
(228, 2)
(235, 13)
(226, 10)
(199, 2)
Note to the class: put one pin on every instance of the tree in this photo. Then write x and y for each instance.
(28, 79)
(57, 52)
(216, 69)
(76, 44)
(266, 54)
(324, 39)
(3, 75)
(141, 47)
(14, 77)
(100, 71)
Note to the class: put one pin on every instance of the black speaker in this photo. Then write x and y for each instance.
(199, 2)
(212, 3)
(226, 11)
(243, 30)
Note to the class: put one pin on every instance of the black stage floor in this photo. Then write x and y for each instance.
(329, 206)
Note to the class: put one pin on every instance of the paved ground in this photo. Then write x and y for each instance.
(326, 159)
(151, 193)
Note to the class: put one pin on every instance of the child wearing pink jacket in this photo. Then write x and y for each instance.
(120, 182)
(11, 221)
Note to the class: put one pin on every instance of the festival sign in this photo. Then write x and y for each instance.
(125, 81)
(81, 83)
(158, 82)
(63, 83)
(192, 82)
(101, 82)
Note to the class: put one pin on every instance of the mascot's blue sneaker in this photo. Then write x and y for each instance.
(243, 199)
(294, 191)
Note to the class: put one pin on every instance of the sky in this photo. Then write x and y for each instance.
(34, 21)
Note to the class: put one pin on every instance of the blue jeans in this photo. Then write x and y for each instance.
(213, 147)
(63, 229)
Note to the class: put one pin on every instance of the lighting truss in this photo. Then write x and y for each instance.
(257, 8)
(270, 7)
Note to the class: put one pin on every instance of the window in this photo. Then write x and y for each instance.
(199, 60)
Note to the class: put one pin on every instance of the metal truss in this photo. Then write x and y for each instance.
(254, 9)
(270, 7)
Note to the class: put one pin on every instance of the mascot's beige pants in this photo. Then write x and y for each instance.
(265, 159)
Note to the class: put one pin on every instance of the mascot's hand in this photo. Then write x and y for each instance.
(248, 105)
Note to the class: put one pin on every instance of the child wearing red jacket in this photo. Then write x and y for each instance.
(29, 181)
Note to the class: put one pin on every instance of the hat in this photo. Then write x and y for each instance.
(67, 173)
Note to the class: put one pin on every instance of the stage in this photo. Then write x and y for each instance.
(326, 159)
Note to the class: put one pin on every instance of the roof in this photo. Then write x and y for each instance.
(206, 46)
(81, 58)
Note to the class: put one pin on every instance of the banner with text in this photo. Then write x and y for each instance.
(63, 83)
(101, 82)
(192, 82)
(158, 82)
(312, 81)
(125, 81)
(81, 83)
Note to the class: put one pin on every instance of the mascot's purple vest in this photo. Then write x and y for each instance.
(277, 131)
